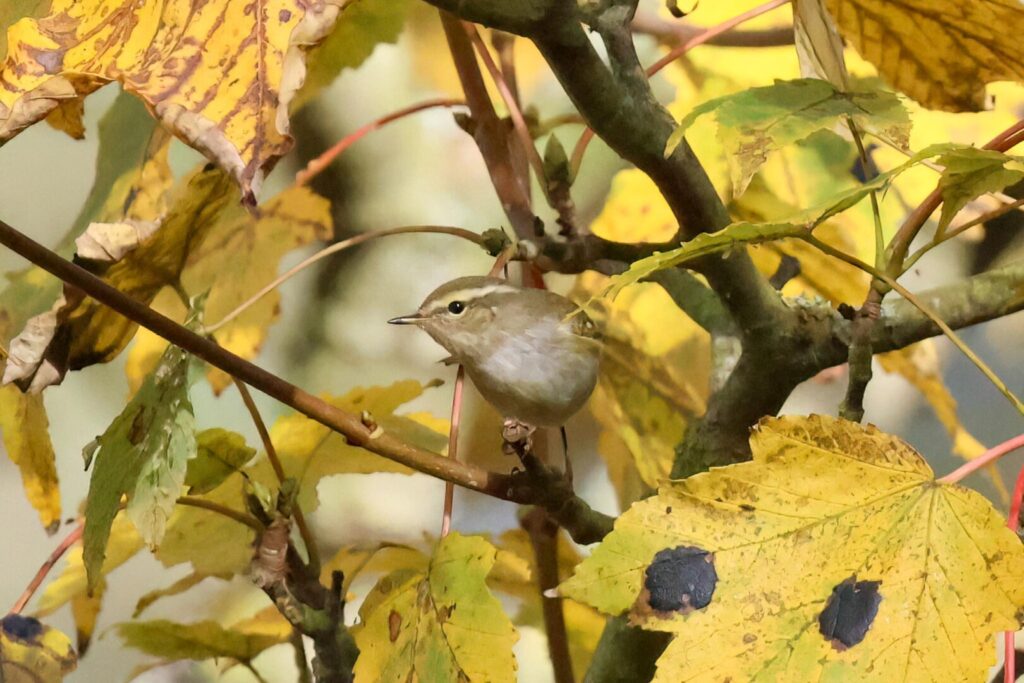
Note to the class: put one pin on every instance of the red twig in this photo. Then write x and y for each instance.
(1012, 521)
(40, 576)
(453, 446)
(986, 458)
(315, 166)
(677, 52)
(518, 121)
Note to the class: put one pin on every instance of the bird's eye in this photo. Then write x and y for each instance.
(456, 307)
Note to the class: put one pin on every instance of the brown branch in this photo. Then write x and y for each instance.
(489, 132)
(543, 533)
(275, 462)
(576, 515)
(46, 567)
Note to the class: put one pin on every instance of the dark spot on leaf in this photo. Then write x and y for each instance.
(138, 428)
(748, 638)
(21, 628)
(849, 613)
(668, 510)
(444, 613)
(284, 15)
(681, 579)
(747, 508)
(394, 625)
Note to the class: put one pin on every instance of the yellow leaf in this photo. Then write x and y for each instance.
(514, 573)
(309, 451)
(33, 653)
(242, 255)
(833, 555)
(85, 609)
(919, 365)
(147, 346)
(26, 435)
(654, 379)
(441, 625)
(219, 75)
(911, 43)
(635, 211)
(213, 543)
(78, 331)
(67, 117)
(123, 544)
(199, 640)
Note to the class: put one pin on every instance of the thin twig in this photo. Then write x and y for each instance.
(335, 248)
(675, 53)
(301, 660)
(44, 570)
(315, 166)
(960, 229)
(543, 533)
(489, 132)
(240, 517)
(453, 446)
(518, 121)
(275, 462)
(585, 524)
(986, 458)
(674, 33)
(921, 306)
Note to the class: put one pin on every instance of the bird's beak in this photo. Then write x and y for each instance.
(410, 319)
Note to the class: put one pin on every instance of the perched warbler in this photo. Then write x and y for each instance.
(530, 352)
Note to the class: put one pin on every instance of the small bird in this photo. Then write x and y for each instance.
(530, 352)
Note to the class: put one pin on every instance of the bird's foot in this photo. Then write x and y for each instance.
(517, 435)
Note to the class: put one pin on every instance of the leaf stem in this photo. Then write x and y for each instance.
(308, 540)
(675, 53)
(987, 458)
(317, 165)
(333, 249)
(960, 229)
(223, 510)
(44, 570)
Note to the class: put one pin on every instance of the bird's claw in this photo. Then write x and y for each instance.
(517, 436)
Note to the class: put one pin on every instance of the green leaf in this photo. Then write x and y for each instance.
(441, 625)
(755, 122)
(33, 653)
(143, 454)
(219, 453)
(702, 245)
(969, 173)
(833, 555)
(360, 28)
(199, 640)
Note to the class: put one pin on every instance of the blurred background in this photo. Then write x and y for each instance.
(332, 335)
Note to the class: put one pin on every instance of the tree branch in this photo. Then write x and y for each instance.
(574, 514)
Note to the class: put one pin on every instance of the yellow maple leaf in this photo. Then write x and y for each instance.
(241, 256)
(219, 75)
(33, 653)
(441, 624)
(654, 379)
(910, 44)
(26, 437)
(833, 555)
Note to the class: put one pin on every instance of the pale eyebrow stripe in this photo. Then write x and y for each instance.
(470, 295)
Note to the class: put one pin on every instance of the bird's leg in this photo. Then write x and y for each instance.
(565, 453)
(518, 436)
